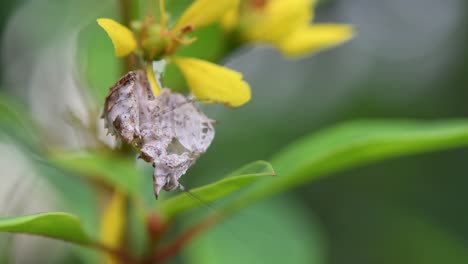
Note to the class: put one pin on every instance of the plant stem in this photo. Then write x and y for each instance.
(175, 246)
(120, 254)
(125, 14)
(126, 150)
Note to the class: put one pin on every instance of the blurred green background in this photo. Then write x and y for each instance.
(409, 60)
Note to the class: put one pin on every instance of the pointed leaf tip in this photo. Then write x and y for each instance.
(212, 192)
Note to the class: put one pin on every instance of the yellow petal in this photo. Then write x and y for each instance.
(152, 80)
(122, 38)
(314, 38)
(276, 20)
(113, 223)
(204, 12)
(213, 83)
(231, 19)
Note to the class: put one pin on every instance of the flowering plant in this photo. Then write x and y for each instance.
(156, 119)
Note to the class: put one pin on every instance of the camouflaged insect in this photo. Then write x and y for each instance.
(168, 130)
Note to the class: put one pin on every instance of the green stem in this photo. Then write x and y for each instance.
(128, 63)
(126, 15)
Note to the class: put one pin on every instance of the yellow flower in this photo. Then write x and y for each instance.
(209, 89)
(122, 37)
(207, 81)
(204, 12)
(284, 24)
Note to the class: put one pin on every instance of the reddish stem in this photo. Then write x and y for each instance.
(176, 245)
(120, 254)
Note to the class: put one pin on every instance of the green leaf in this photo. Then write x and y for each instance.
(420, 235)
(77, 196)
(55, 225)
(275, 231)
(95, 59)
(114, 170)
(16, 122)
(217, 190)
(353, 144)
(176, 8)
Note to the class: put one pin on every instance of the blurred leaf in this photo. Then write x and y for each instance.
(76, 196)
(217, 190)
(352, 144)
(174, 79)
(6, 248)
(113, 224)
(391, 233)
(275, 231)
(55, 225)
(136, 219)
(16, 123)
(96, 61)
(420, 235)
(176, 8)
(113, 170)
(210, 45)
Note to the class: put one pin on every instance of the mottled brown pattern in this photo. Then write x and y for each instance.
(168, 130)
